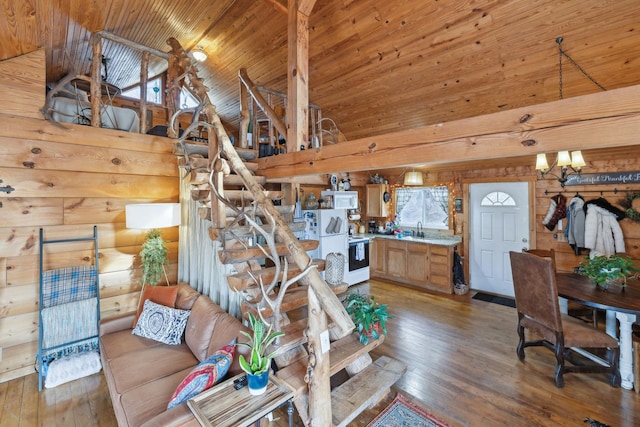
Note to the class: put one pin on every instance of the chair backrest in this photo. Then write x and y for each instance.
(536, 291)
(544, 253)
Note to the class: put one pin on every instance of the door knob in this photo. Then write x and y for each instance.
(524, 240)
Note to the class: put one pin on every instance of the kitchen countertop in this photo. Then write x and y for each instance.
(441, 240)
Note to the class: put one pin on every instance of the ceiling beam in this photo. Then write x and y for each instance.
(604, 119)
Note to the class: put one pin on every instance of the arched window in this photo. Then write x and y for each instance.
(497, 198)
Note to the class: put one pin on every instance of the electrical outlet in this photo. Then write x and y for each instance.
(324, 342)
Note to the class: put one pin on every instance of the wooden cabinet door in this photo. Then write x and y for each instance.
(376, 206)
(440, 266)
(378, 257)
(396, 258)
(418, 263)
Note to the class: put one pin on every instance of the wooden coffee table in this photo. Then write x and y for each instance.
(223, 405)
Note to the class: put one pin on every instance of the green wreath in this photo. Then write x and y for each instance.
(627, 203)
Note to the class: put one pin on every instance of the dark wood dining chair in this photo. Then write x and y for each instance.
(536, 292)
(575, 309)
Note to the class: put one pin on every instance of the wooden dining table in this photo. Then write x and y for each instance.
(621, 303)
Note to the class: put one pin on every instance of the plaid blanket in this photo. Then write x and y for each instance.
(69, 284)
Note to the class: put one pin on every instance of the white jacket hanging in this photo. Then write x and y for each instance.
(602, 233)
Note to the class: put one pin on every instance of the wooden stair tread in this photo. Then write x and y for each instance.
(358, 393)
(237, 180)
(342, 353)
(248, 231)
(282, 210)
(232, 256)
(247, 195)
(294, 298)
(242, 281)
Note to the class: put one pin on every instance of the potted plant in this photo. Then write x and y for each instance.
(154, 257)
(257, 367)
(369, 316)
(605, 270)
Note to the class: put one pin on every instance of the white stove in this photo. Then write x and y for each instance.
(358, 270)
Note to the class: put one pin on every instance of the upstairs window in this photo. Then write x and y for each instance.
(154, 91)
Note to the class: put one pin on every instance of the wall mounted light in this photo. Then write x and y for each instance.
(199, 54)
(413, 178)
(565, 161)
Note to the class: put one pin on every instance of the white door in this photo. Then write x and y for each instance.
(499, 217)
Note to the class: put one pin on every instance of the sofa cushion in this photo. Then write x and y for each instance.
(120, 343)
(147, 400)
(165, 295)
(186, 296)
(204, 376)
(150, 364)
(200, 326)
(161, 323)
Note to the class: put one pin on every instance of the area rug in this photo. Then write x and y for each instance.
(508, 302)
(404, 413)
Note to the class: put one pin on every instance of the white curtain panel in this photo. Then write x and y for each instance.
(198, 261)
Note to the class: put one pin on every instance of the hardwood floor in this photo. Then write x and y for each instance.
(462, 367)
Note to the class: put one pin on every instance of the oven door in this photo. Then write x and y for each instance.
(358, 255)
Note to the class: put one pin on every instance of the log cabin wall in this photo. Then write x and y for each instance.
(566, 259)
(67, 180)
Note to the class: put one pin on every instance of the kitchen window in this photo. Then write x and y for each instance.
(427, 205)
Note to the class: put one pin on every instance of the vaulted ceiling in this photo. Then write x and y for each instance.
(374, 66)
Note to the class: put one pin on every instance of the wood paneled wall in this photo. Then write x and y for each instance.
(66, 181)
(543, 238)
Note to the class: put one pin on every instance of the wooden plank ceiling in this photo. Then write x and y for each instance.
(375, 67)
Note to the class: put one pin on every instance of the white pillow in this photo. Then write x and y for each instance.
(161, 323)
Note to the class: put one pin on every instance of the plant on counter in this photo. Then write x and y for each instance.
(369, 316)
(603, 270)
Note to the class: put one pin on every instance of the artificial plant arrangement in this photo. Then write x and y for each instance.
(154, 257)
(369, 316)
(259, 342)
(604, 270)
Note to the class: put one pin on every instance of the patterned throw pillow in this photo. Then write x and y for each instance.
(204, 376)
(160, 323)
(165, 295)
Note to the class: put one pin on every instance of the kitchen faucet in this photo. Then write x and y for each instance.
(420, 233)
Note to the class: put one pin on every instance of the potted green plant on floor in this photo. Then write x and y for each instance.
(259, 362)
(369, 316)
(606, 270)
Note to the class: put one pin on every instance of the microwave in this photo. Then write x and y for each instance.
(341, 199)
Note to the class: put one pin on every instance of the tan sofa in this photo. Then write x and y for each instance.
(142, 374)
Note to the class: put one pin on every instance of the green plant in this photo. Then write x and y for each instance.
(369, 316)
(603, 270)
(154, 258)
(259, 342)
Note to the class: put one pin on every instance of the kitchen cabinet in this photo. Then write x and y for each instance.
(377, 254)
(378, 198)
(420, 264)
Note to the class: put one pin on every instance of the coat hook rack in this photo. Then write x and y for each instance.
(6, 189)
(601, 192)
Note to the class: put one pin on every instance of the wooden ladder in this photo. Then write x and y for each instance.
(288, 291)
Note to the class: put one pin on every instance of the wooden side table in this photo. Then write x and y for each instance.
(223, 405)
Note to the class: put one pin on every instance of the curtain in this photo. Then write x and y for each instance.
(198, 261)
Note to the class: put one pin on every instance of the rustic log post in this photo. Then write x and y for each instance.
(96, 81)
(319, 376)
(144, 78)
(245, 117)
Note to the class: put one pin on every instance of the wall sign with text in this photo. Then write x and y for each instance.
(604, 178)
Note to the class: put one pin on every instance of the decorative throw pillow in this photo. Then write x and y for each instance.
(205, 375)
(164, 295)
(160, 323)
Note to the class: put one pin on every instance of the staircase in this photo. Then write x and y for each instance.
(277, 279)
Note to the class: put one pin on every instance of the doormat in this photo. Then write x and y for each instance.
(508, 302)
(402, 412)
